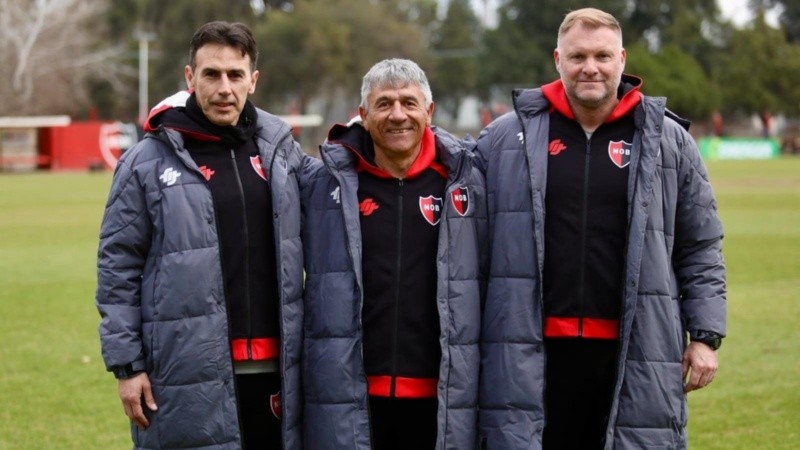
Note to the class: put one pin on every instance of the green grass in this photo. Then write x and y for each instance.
(56, 394)
(53, 386)
(755, 401)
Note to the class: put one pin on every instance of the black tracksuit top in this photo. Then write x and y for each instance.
(400, 237)
(586, 218)
(243, 206)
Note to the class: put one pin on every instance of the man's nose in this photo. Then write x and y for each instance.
(224, 85)
(590, 66)
(397, 112)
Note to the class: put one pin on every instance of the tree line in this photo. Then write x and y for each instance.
(79, 57)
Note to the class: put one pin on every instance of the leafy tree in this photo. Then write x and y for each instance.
(455, 45)
(693, 26)
(50, 50)
(756, 68)
(324, 48)
(789, 18)
(674, 74)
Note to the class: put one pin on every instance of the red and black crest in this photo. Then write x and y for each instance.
(620, 153)
(258, 167)
(431, 208)
(275, 404)
(460, 198)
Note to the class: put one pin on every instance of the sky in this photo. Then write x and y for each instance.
(735, 10)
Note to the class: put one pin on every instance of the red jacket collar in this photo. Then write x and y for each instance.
(425, 159)
(554, 92)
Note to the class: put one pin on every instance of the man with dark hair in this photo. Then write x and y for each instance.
(200, 263)
(393, 287)
(606, 298)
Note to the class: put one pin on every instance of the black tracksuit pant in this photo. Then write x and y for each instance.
(579, 386)
(403, 423)
(261, 425)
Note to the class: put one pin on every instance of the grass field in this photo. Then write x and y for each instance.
(55, 393)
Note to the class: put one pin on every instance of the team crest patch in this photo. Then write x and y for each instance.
(460, 199)
(255, 161)
(431, 208)
(620, 153)
(275, 404)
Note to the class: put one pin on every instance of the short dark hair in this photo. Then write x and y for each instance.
(235, 35)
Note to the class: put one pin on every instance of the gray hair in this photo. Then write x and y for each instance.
(396, 73)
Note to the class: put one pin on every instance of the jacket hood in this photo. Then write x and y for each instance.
(170, 113)
(628, 94)
(358, 141)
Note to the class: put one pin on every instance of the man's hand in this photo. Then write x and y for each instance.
(700, 363)
(131, 391)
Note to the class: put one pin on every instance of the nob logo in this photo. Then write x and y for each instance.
(460, 198)
(431, 208)
(620, 153)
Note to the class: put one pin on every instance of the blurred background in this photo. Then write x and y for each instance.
(78, 76)
(731, 67)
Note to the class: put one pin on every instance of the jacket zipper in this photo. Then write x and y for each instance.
(398, 275)
(246, 245)
(584, 232)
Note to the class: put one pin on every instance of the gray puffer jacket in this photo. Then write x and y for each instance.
(334, 379)
(160, 289)
(674, 279)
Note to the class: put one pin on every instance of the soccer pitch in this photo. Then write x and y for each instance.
(56, 394)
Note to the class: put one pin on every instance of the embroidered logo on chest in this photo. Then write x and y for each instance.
(431, 208)
(556, 146)
(368, 206)
(620, 153)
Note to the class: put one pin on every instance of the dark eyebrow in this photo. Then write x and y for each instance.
(214, 71)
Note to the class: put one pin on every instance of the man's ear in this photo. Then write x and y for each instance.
(189, 75)
(363, 113)
(556, 59)
(253, 80)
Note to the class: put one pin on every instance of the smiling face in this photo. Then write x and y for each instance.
(222, 80)
(590, 62)
(396, 119)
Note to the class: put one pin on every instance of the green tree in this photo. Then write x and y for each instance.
(693, 26)
(674, 74)
(789, 17)
(455, 45)
(322, 49)
(757, 70)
